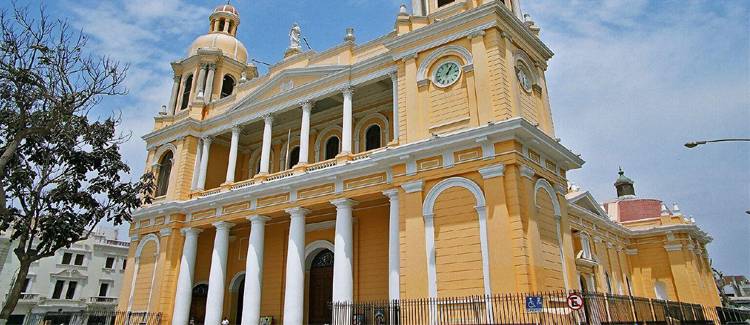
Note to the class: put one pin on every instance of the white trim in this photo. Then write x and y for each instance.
(456, 50)
(547, 187)
(319, 140)
(384, 137)
(234, 284)
(428, 214)
(161, 151)
(313, 249)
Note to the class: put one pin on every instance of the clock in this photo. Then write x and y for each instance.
(446, 74)
(523, 79)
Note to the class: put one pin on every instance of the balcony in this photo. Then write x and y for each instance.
(103, 300)
(56, 303)
(28, 298)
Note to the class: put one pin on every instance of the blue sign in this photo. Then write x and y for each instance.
(534, 304)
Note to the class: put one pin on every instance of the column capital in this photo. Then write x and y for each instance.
(207, 139)
(258, 219)
(348, 90)
(307, 105)
(222, 225)
(527, 171)
(344, 203)
(236, 128)
(492, 171)
(177, 77)
(211, 66)
(297, 212)
(393, 75)
(411, 187)
(392, 194)
(268, 118)
(478, 33)
(190, 232)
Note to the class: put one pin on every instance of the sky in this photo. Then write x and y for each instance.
(631, 82)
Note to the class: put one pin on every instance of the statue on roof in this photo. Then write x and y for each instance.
(294, 36)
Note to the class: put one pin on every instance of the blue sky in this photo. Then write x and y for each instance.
(630, 83)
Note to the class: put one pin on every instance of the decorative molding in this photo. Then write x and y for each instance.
(492, 171)
(527, 172)
(673, 247)
(414, 186)
(310, 227)
(631, 251)
(165, 232)
(456, 50)
(392, 194)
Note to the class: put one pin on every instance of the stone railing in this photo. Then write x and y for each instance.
(242, 184)
(103, 300)
(280, 175)
(321, 165)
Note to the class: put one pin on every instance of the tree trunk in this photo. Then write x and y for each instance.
(15, 291)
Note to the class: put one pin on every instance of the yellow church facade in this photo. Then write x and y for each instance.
(420, 164)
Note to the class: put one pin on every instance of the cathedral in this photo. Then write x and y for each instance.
(420, 164)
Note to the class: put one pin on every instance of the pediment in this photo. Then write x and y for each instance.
(586, 200)
(69, 273)
(289, 79)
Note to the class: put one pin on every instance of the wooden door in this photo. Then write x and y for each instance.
(321, 289)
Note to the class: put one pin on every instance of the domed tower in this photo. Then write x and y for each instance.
(215, 64)
(624, 185)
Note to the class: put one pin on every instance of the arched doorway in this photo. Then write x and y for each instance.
(321, 288)
(198, 304)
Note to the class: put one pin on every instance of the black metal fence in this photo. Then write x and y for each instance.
(537, 308)
(94, 318)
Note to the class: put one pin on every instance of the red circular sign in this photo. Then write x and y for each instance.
(575, 301)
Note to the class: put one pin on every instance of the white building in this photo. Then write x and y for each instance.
(86, 277)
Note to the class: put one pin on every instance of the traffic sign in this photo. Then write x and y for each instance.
(534, 304)
(575, 301)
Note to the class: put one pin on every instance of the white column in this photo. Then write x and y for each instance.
(304, 135)
(394, 258)
(209, 90)
(184, 294)
(233, 154)
(173, 98)
(254, 271)
(218, 273)
(346, 146)
(204, 163)
(265, 156)
(197, 166)
(343, 279)
(294, 293)
(394, 81)
(201, 81)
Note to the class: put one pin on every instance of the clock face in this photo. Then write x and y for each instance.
(447, 74)
(524, 79)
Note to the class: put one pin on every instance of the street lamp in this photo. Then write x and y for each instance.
(698, 143)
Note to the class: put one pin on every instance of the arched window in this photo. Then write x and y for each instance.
(609, 282)
(221, 24)
(660, 289)
(227, 86)
(186, 88)
(293, 157)
(372, 138)
(582, 282)
(229, 30)
(332, 147)
(165, 169)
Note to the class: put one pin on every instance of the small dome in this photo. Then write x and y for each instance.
(624, 185)
(228, 9)
(229, 45)
(623, 179)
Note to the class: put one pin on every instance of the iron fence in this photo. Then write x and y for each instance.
(93, 318)
(533, 308)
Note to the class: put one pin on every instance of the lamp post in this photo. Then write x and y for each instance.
(698, 143)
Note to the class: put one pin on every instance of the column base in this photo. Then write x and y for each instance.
(299, 169)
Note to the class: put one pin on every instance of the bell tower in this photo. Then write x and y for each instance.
(427, 7)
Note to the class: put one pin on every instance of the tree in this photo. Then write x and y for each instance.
(61, 173)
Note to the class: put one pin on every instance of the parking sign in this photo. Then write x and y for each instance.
(534, 304)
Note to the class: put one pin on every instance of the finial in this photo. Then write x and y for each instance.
(349, 35)
(676, 209)
(621, 172)
(163, 110)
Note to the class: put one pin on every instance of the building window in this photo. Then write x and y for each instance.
(586, 247)
(660, 289)
(124, 264)
(293, 157)
(26, 284)
(441, 3)
(227, 86)
(186, 88)
(332, 147)
(609, 282)
(66, 258)
(221, 25)
(79, 259)
(109, 263)
(165, 169)
(71, 292)
(58, 289)
(372, 138)
(103, 289)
